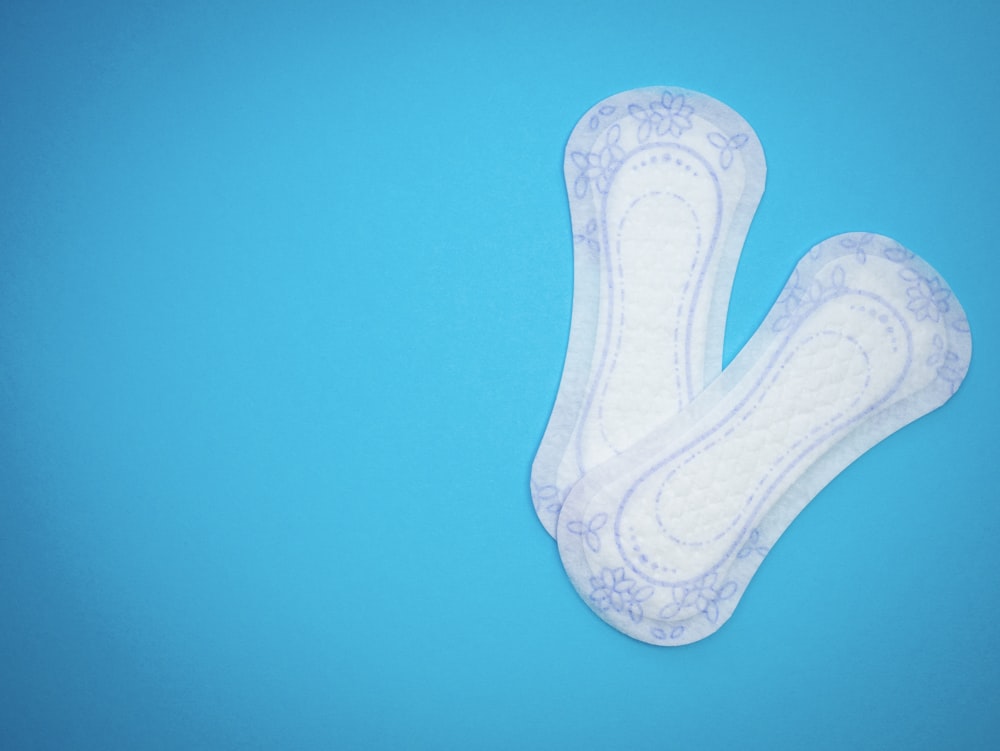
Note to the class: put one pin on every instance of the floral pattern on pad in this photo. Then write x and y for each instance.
(613, 590)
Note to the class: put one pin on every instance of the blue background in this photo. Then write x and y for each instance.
(284, 296)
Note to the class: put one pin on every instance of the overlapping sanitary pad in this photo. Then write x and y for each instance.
(662, 540)
(666, 495)
(662, 186)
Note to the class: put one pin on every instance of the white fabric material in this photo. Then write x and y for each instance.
(662, 186)
(662, 539)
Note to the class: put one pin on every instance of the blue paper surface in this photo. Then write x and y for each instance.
(284, 296)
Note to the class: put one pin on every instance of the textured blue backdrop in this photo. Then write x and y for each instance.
(284, 295)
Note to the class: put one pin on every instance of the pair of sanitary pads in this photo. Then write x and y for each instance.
(665, 482)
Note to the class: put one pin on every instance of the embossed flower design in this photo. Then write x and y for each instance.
(589, 530)
(703, 597)
(675, 633)
(595, 119)
(727, 146)
(792, 294)
(897, 253)
(676, 114)
(615, 591)
(793, 297)
(589, 236)
(928, 298)
(797, 299)
(952, 369)
(859, 244)
(949, 364)
(753, 545)
(547, 497)
(600, 166)
(669, 116)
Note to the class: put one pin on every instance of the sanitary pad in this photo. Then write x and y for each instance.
(662, 186)
(662, 539)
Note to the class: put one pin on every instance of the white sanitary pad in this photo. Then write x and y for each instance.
(662, 186)
(662, 539)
